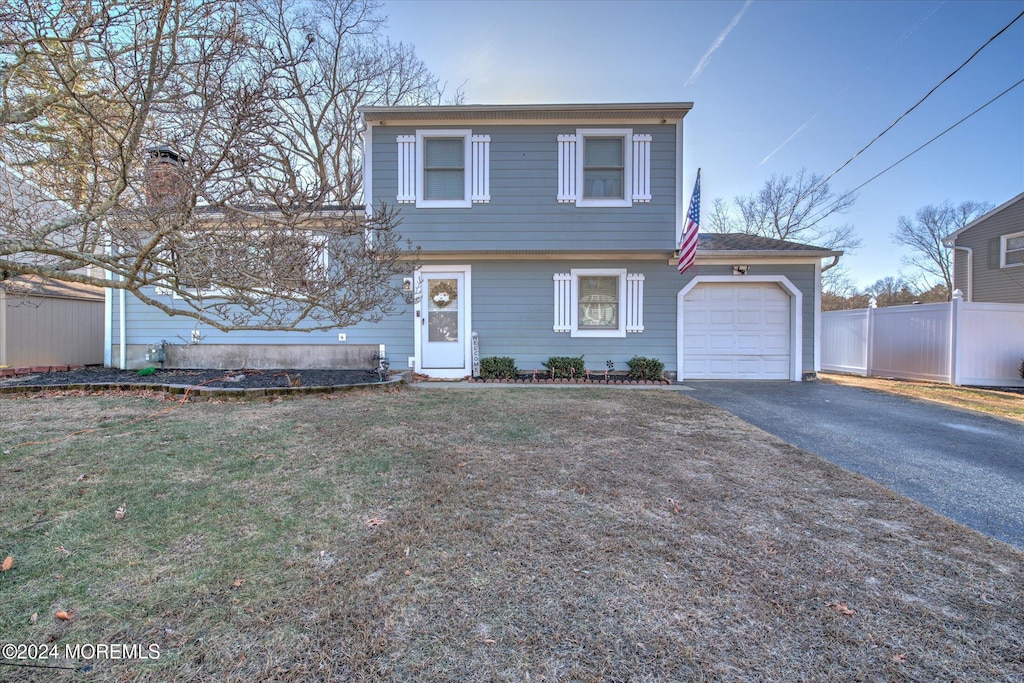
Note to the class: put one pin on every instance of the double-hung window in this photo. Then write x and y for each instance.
(443, 169)
(1011, 250)
(604, 167)
(599, 302)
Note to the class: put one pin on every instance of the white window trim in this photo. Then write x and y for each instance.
(574, 310)
(467, 169)
(1004, 240)
(627, 169)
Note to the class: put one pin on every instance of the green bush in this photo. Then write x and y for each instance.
(565, 367)
(644, 369)
(498, 367)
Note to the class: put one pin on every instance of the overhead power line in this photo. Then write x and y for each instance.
(907, 156)
(904, 114)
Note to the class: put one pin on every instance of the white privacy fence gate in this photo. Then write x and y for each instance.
(958, 342)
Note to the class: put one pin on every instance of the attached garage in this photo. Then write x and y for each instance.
(739, 328)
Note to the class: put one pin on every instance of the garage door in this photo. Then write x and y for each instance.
(736, 331)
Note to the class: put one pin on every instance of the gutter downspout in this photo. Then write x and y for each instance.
(108, 316)
(123, 359)
(970, 271)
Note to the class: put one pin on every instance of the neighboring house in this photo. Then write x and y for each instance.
(988, 255)
(44, 322)
(546, 230)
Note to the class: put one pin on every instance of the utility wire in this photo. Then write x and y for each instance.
(904, 114)
(825, 210)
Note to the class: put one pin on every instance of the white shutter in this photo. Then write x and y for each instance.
(406, 169)
(481, 162)
(567, 168)
(563, 302)
(634, 303)
(641, 168)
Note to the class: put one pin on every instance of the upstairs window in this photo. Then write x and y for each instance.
(604, 167)
(443, 169)
(1011, 250)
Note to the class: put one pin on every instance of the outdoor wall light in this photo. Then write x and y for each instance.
(406, 284)
(739, 270)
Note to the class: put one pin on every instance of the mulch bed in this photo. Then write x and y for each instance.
(218, 379)
(596, 378)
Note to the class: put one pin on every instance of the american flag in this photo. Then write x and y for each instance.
(688, 246)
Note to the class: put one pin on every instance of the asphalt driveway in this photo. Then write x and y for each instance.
(965, 465)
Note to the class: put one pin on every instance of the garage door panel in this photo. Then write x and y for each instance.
(735, 331)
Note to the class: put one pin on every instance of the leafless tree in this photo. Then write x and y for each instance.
(241, 116)
(924, 236)
(798, 208)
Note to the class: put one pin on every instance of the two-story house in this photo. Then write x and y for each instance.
(551, 230)
(988, 255)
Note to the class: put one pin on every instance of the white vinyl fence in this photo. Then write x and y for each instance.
(959, 342)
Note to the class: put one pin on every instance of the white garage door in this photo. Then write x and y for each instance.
(736, 331)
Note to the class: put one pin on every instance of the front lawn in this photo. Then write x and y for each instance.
(477, 535)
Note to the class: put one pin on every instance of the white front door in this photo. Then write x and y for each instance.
(443, 334)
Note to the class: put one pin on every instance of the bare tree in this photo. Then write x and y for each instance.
(797, 208)
(924, 236)
(205, 154)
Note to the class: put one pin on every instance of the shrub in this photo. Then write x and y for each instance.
(643, 369)
(1021, 371)
(565, 367)
(498, 367)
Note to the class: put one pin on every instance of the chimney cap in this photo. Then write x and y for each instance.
(165, 152)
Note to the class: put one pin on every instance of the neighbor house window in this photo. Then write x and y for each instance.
(443, 169)
(1011, 250)
(599, 302)
(604, 167)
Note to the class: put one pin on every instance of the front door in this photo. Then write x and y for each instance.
(442, 321)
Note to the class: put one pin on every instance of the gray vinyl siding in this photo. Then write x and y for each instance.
(991, 282)
(513, 313)
(523, 212)
(148, 325)
(514, 310)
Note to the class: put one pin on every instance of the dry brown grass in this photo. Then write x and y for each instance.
(1005, 404)
(479, 535)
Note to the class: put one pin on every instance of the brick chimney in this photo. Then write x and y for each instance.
(166, 185)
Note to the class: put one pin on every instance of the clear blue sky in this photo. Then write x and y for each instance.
(835, 74)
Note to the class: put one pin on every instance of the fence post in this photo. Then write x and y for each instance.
(869, 354)
(954, 337)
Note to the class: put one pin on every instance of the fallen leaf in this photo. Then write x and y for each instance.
(375, 521)
(82, 477)
(842, 608)
(34, 618)
(64, 616)
(899, 659)
(237, 583)
(119, 512)
(489, 641)
(8, 563)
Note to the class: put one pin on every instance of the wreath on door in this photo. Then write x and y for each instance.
(444, 292)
